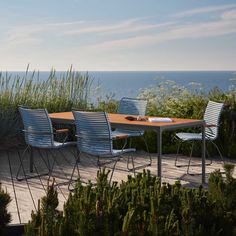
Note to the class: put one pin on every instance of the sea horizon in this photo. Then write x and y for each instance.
(118, 84)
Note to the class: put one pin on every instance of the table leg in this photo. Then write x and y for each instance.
(31, 159)
(203, 154)
(159, 152)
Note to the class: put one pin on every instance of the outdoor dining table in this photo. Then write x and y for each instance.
(120, 121)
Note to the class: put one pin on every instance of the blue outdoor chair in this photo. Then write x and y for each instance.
(94, 138)
(133, 106)
(39, 135)
(211, 118)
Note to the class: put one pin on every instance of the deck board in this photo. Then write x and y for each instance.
(88, 171)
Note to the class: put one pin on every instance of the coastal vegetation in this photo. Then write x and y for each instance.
(64, 91)
(59, 92)
(172, 100)
(140, 206)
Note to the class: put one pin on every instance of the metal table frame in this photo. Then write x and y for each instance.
(119, 121)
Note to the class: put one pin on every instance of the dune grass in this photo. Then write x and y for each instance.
(59, 92)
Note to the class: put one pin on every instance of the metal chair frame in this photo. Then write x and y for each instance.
(39, 135)
(133, 106)
(211, 117)
(94, 138)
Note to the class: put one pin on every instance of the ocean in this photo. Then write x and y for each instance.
(130, 83)
(123, 83)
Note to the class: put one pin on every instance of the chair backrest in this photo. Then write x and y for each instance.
(132, 106)
(212, 117)
(93, 133)
(38, 127)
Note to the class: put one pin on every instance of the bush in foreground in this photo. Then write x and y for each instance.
(5, 216)
(140, 206)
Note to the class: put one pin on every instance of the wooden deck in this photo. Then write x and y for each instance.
(25, 194)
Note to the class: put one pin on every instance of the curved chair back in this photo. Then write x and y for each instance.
(212, 118)
(93, 133)
(132, 106)
(37, 127)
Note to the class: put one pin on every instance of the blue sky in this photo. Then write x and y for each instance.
(118, 35)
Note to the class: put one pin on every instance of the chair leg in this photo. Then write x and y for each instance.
(77, 159)
(207, 164)
(133, 164)
(177, 153)
(190, 157)
(27, 176)
(76, 166)
(21, 158)
(221, 157)
(47, 163)
(141, 166)
(150, 158)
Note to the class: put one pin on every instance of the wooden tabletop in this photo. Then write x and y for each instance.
(118, 120)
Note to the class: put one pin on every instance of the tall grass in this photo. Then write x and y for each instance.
(59, 92)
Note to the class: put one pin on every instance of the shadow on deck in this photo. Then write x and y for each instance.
(25, 194)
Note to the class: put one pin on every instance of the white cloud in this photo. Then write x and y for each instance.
(205, 10)
(34, 33)
(222, 26)
(128, 34)
(229, 15)
(127, 26)
(24, 34)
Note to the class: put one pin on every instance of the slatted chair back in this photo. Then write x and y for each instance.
(212, 118)
(93, 133)
(132, 106)
(37, 127)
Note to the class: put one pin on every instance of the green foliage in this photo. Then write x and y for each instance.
(73, 90)
(223, 193)
(47, 220)
(140, 206)
(55, 93)
(5, 216)
(171, 100)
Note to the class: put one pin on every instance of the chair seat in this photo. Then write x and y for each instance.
(56, 145)
(114, 153)
(192, 136)
(117, 152)
(189, 136)
(130, 133)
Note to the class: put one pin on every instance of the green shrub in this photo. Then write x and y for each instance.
(171, 100)
(140, 206)
(5, 216)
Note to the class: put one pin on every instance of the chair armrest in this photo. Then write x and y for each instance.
(211, 125)
(120, 136)
(37, 132)
(96, 138)
(59, 131)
